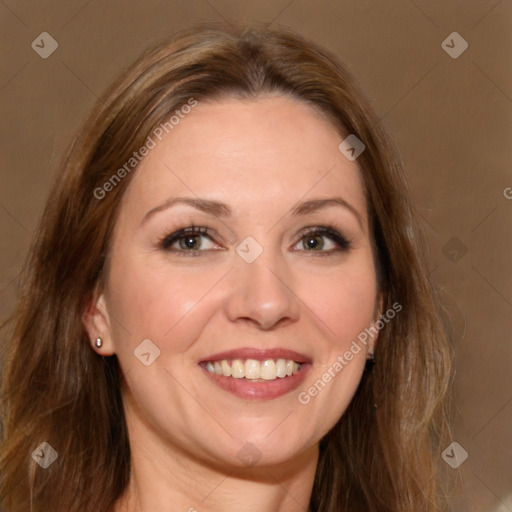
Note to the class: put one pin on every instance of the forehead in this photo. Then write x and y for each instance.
(270, 151)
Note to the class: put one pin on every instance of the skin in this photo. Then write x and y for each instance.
(260, 158)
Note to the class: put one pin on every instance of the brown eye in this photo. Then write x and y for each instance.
(313, 242)
(189, 240)
(323, 240)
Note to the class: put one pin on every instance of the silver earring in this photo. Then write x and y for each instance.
(98, 343)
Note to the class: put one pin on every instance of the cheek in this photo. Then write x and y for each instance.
(159, 302)
(344, 304)
(343, 301)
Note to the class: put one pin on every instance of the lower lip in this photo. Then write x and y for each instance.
(268, 390)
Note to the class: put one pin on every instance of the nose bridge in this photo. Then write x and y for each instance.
(262, 288)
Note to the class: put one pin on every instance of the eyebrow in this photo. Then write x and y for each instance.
(219, 209)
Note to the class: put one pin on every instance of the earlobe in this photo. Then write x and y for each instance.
(96, 321)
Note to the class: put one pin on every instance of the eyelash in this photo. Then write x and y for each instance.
(328, 231)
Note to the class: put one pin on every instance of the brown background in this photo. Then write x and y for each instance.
(450, 117)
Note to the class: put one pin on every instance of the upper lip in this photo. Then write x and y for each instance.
(259, 355)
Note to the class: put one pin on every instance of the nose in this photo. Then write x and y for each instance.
(262, 293)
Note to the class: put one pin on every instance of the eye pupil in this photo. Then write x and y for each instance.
(313, 242)
(189, 242)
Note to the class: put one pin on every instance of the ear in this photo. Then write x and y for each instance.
(96, 321)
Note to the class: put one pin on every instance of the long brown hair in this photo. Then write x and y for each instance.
(56, 389)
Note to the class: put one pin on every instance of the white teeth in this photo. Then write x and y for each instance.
(281, 368)
(253, 369)
(268, 370)
(237, 369)
(226, 369)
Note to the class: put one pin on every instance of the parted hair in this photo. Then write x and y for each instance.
(57, 389)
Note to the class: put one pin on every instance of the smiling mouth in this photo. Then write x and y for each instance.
(253, 370)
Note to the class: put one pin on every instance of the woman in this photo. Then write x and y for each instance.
(227, 251)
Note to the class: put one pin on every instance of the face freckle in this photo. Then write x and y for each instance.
(244, 230)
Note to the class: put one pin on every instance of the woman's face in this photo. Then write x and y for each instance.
(274, 268)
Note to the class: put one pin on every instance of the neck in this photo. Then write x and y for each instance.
(167, 479)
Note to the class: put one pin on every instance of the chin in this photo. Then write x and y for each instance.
(263, 448)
